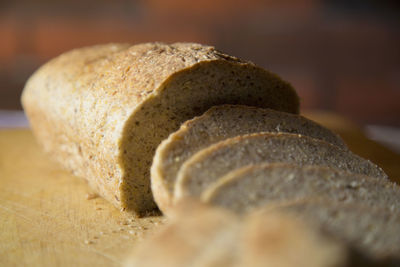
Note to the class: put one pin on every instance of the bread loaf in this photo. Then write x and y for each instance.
(208, 165)
(257, 185)
(101, 111)
(216, 124)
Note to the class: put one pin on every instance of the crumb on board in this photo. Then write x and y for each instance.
(90, 196)
(88, 242)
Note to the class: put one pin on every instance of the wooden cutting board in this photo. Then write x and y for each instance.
(50, 218)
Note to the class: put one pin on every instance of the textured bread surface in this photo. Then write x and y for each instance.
(101, 111)
(257, 185)
(372, 230)
(208, 165)
(219, 123)
(204, 236)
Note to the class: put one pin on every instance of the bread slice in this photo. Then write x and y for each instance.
(217, 124)
(196, 235)
(372, 230)
(209, 164)
(101, 111)
(202, 236)
(280, 239)
(257, 185)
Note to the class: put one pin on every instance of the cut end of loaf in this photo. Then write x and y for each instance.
(184, 95)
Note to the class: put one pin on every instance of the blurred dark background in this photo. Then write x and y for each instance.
(341, 56)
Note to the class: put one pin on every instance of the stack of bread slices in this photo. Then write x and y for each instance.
(200, 235)
(245, 159)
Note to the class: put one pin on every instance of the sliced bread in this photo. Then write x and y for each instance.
(372, 230)
(101, 111)
(210, 237)
(217, 124)
(208, 165)
(196, 235)
(279, 239)
(257, 185)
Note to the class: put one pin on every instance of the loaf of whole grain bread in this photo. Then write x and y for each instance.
(101, 111)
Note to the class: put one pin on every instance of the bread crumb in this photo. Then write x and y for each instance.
(90, 196)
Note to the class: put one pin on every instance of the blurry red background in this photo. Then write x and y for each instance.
(342, 56)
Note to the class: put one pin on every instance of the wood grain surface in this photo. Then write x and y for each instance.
(50, 218)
